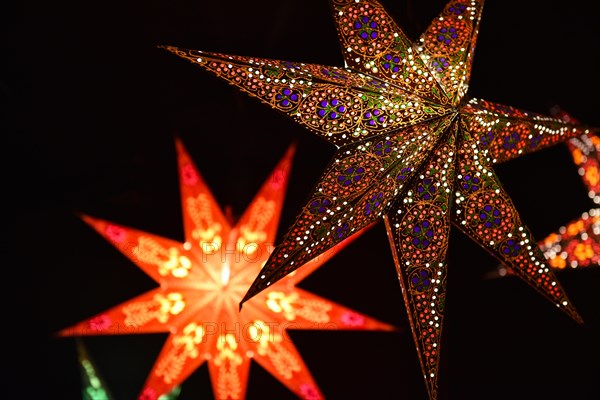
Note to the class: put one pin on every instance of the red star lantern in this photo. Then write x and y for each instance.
(577, 244)
(412, 149)
(201, 283)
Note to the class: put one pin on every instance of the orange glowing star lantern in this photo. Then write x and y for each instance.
(412, 148)
(578, 243)
(201, 284)
(93, 386)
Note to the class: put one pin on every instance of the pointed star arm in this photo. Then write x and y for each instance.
(373, 44)
(485, 212)
(184, 351)
(205, 226)
(507, 133)
(338, 106)
(300, 309)
(418, 228)
(152, 312)
(229, 369)
(311, 266)
(448, 46)
(164, 260)
(254, 234)
(274, 350)
(356, 188)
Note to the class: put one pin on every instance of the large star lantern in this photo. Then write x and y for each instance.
(412, 149)
(201, 283)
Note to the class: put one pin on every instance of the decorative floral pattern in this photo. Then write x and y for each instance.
(408, 132)
(196, 302)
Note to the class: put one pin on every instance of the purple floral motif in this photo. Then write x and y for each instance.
(374, 117)
(366, 28)
(383, 148)
(319, 206)
(470, 183)
(287, 98)
(440, 64)
(447, 35)
(535, 141)
(511, 248)
(373, 202)
(331, 109)
(490, 216)
(420, 280)
(422, 234)
(511, 141)
(486, 139)
(426, 189)
(457, 8)
(404, 173)
(341, 231)
(351, 175)
(391, 63)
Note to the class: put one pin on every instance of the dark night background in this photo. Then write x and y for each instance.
(93, 107)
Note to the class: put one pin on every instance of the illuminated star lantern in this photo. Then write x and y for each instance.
(93, 385)
(578, 243)
(201, 283)
(412, 149)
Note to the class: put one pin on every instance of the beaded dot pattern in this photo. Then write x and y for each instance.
(395, 110)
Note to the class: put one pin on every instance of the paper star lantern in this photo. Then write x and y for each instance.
(93, 385)
(412, 149)
(201, 283)
(577, 244)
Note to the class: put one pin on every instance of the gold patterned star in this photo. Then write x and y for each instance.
(411, 148)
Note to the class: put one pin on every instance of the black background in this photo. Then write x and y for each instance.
(93, 107)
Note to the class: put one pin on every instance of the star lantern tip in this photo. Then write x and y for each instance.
(412, 148)
(201, 281)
